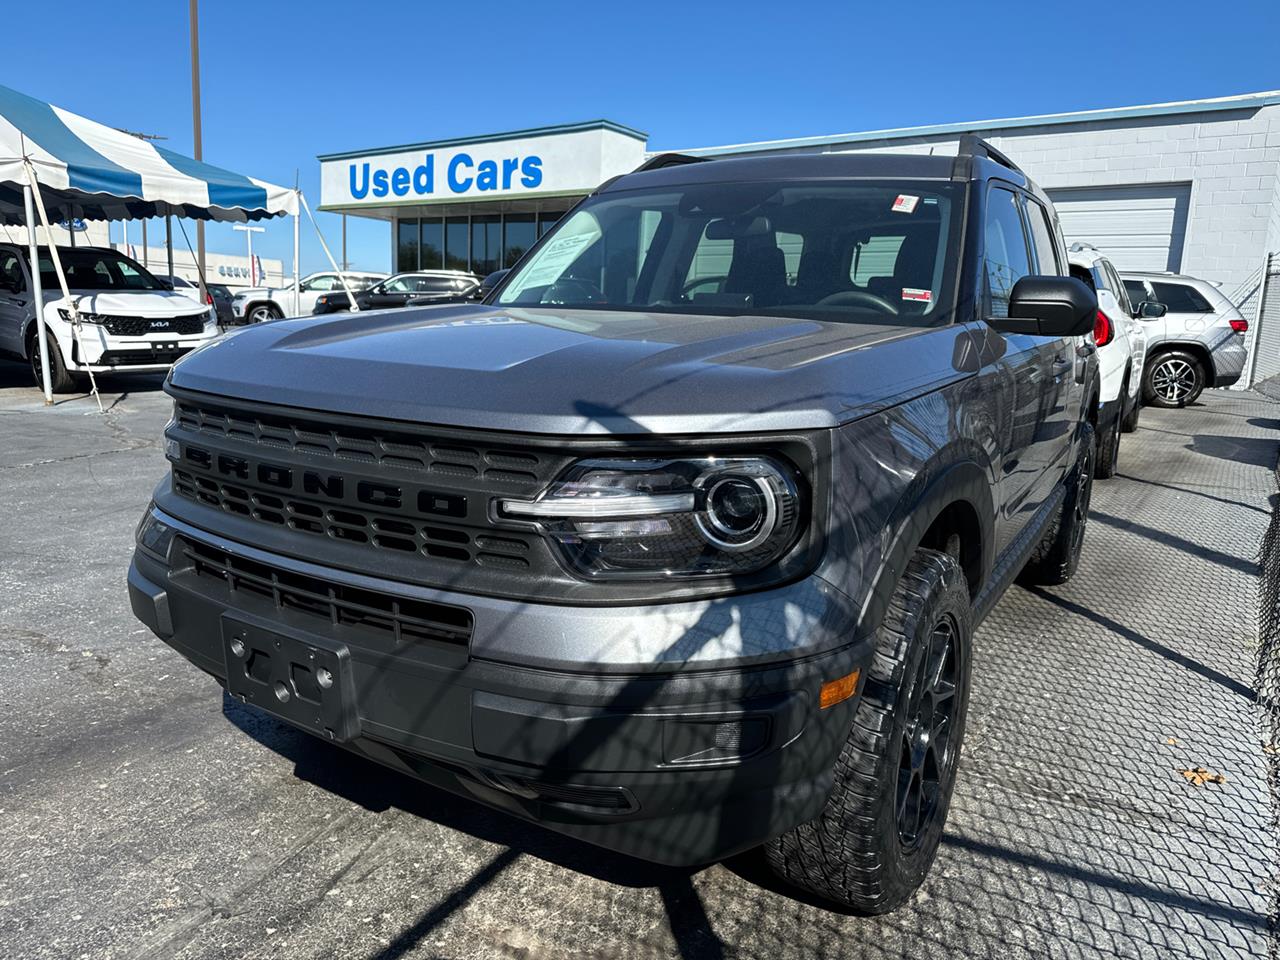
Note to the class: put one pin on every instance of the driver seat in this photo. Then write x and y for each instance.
(759, 270)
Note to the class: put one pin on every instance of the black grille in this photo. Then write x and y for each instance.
(402, 618)
(509, 469)
(141, 326)
(136, 358)
(350, 524)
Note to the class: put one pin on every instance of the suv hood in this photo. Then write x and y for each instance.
(132, 303)
(562, 371)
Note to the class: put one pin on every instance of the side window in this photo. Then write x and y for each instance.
(1180, 298)
(1042, 239)
(1118, 288)
(11, 273)
(1007, 260)
(1136, 290)
(323, 282)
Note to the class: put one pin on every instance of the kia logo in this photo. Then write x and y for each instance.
(159, 324)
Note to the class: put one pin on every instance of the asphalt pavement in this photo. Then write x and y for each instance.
(142, 815)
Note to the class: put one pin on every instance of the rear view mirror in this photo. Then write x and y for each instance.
(1049, 307)
(1151, 310)
(739, 228)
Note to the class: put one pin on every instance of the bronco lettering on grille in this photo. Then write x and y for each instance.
(385, 496)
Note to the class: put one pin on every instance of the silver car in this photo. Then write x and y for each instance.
(1198, 343)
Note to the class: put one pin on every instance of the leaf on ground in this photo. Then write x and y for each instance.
(1171, 741)
(1270, 749)
(1200, 776)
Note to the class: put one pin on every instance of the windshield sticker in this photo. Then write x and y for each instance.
(905, 203)
(923, 296)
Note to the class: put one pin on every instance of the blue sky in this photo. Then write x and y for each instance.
(280, 87)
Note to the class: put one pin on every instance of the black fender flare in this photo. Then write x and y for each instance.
(937, 486)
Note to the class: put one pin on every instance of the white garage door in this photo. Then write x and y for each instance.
(1138, 227)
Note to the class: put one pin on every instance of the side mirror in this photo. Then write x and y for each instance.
(1151, 310)
(166, 284)
(1049, 307)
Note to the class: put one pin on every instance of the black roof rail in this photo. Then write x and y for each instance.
(972, 145)
(661, 160)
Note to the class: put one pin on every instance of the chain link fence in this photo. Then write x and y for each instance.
(1265, 355)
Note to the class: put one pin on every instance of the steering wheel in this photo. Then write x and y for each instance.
(572, 290)
(851, 298)
(702, 282)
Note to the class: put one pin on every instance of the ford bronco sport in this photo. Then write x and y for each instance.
(677, 542)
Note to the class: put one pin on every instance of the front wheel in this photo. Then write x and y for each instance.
(60, 379)
(874, 841)
(1130, 422)
(1175, 379)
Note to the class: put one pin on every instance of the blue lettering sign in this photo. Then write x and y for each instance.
(424, 176)
(359, 191)
(531, 172)
(380, 183)
(400, 181)
(464, 184)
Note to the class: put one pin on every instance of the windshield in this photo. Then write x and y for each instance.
(96, 270)
(865, 251)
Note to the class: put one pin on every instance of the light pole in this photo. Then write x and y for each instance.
(249, 231)
(195, 123)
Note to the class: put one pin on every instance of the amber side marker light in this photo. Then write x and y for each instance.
(838, 691)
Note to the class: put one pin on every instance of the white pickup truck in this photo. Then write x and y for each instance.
(256, 304)
(130, 320)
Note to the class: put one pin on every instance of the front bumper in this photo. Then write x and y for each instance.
(96, 350)
(677, 762)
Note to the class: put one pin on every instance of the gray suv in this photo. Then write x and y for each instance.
(1198, 343)
(675, 543)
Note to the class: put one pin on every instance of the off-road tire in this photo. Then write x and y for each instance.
(1130, 421)
(852, 853)
(1108, 457)
(60, 378)
(1173, 379)
(1057, 555)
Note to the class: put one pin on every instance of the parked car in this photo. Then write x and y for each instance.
(130, 320)
(419, 288)
(674, 573)
(222, 297)
(1199, 342)
(1122, 348)
(181, 285)
(256, 304)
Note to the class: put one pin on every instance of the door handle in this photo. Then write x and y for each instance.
(1062, 365)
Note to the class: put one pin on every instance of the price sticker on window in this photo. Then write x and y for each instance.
(905, 203)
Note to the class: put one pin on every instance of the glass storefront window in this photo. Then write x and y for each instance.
(407, 245)
(521, 233)
(546, 221)
(456, 243)
(486, 244)
(431, 252)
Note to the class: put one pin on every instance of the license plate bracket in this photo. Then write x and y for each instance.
(304, 681)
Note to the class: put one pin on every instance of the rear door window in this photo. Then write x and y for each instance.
(1137, 291)
(1181, 298)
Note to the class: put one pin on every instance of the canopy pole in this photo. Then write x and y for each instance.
(168, 239)
(297, 279)
(342, 277)
(37, 293)
(144, 246)
(76, 326)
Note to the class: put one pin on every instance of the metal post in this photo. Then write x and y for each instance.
(297, 278)
(196, 138)
(144, 246)
(344, 242)
(124, 232)
(254, 279)
(168, 239)
(37, 295)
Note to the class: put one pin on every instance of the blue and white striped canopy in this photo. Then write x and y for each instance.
(93, 172)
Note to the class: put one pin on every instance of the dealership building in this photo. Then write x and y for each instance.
(1190, 187)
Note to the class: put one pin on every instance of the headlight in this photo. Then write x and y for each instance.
(65, 314)
(669, 518)
(322, 299)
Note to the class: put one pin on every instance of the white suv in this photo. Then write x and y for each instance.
(130, 320)
(1198, 343)
(1122, 347)
(257, 304)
